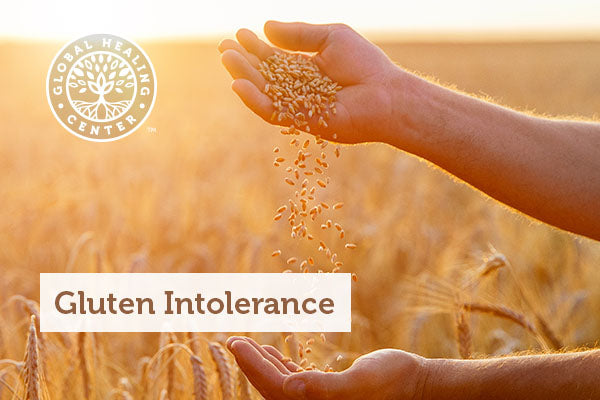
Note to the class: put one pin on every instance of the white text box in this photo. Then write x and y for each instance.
(181, 302)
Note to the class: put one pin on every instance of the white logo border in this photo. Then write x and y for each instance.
(71, 131)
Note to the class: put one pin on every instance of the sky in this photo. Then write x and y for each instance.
(138, 19)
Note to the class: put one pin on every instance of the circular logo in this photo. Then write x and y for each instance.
(101, 87)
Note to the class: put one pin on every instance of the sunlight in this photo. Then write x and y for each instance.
(65, 19)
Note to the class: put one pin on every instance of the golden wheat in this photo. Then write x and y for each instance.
(144, 200)
(32, 371)
(463, 333)
(200, 382)
(225, 378)
(83, 365)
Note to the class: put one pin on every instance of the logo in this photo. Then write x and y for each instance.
(101, 87)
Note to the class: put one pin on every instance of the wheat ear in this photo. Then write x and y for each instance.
(200, 385)
(32, 365)
(463, 334)
(501, 312)
(220, 358)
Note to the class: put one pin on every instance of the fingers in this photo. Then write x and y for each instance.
(298, 36)
(290, 365)
(229, 44)
(275, 360)
(319, 385)
(260, 372)
(267, 355)
(253, 44)
(239, 67)
(253, 98)
(232, 339)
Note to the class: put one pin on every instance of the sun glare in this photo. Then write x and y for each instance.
(65, 19)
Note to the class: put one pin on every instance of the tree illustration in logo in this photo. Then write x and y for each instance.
(101, 86)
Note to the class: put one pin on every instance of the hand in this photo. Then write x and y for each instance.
(383, 374)
(364, 105)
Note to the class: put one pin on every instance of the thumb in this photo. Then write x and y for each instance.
(297, 36)
(318, 385)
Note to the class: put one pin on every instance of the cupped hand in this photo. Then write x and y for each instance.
(364, 105)
(383, 374)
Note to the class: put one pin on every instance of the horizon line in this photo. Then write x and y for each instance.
(381, 36)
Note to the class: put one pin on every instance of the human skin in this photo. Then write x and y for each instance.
(548, 169)
(395, 374)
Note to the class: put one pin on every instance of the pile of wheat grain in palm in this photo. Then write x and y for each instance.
(300, 93)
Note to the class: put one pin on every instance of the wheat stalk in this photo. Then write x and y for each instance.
(463, 334)
(144, 367)
(501, 312)
(83, 365)
(548, 333)
(220, 358)
(200, 385)
(193, 342)
(32, 365)
(171, 366)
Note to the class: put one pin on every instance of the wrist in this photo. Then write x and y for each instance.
(410, 99)
(448, 379)
(429, 385)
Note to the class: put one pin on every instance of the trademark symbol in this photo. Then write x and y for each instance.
(151, 129)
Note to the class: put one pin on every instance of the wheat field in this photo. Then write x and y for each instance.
(443, 270)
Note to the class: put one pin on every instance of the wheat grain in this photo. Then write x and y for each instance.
(337, 206)
(299, 94)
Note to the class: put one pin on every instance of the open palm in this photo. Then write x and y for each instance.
(383, 374)
(361, 68)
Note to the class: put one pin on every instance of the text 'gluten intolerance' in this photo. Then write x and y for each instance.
(67, 302)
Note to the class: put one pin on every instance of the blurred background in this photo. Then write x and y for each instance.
(197, 191)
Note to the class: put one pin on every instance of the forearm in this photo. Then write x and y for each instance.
(558, 376)
(547, 169)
